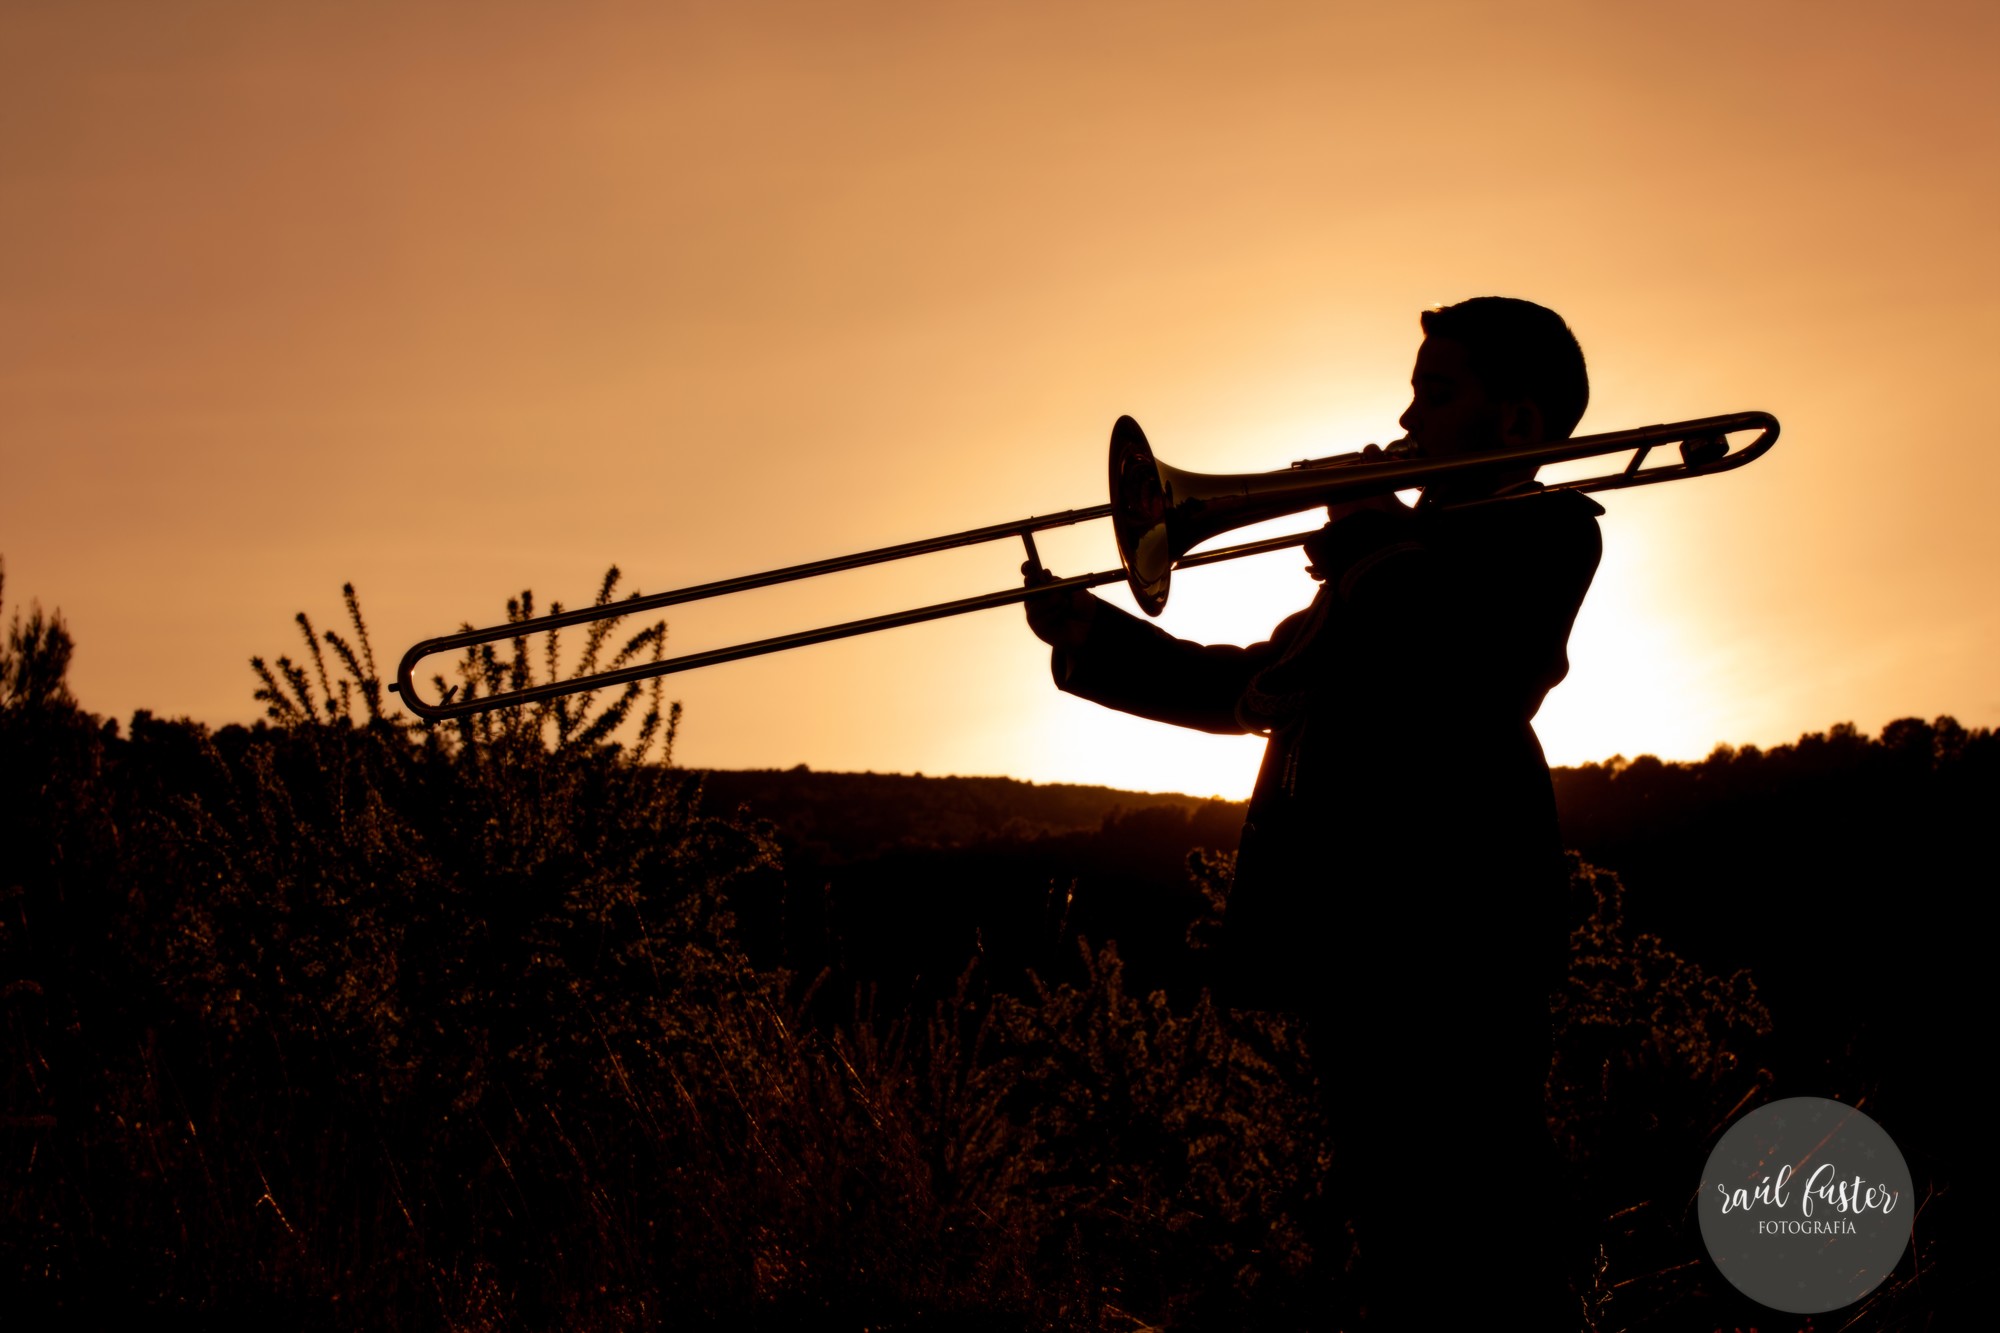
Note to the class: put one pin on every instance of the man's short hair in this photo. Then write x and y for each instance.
(1519, 350)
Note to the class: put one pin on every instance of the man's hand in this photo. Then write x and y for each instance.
(1353, 528)
(1386, 504)
(1062, 618)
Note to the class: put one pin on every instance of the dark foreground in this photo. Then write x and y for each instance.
(344, 1023)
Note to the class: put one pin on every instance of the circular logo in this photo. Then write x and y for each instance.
(1805, 1205)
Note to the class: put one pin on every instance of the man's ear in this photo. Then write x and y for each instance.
(1520, 424)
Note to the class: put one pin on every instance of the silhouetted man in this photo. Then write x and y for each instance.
(1401, 879)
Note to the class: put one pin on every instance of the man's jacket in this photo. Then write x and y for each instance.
(1403, 789)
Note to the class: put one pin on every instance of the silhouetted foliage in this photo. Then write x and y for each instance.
(347, 1019)
(1843, 869)
(34, 663)
(340, 1001)
(344, 1020)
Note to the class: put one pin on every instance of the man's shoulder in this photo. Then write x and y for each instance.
(1540, 513)
(1533, 535)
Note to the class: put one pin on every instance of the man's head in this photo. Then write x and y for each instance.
(1494, 373)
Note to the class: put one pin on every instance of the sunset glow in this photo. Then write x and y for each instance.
(453, 300)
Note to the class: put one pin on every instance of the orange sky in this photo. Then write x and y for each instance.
(450, 300)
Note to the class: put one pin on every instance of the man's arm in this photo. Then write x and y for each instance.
(1116, 659)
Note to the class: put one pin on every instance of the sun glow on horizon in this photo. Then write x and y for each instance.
(306, 297)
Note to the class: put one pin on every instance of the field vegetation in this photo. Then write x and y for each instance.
(345, 1021)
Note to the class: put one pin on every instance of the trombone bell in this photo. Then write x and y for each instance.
(1142, 511)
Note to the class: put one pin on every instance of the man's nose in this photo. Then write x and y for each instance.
(1408, 421)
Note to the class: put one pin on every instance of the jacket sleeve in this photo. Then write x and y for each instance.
(1138, 668)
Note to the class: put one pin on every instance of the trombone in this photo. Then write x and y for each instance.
(1159, 515)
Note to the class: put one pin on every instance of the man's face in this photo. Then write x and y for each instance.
(1450, 412)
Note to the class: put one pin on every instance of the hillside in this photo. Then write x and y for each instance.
(852, 816)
